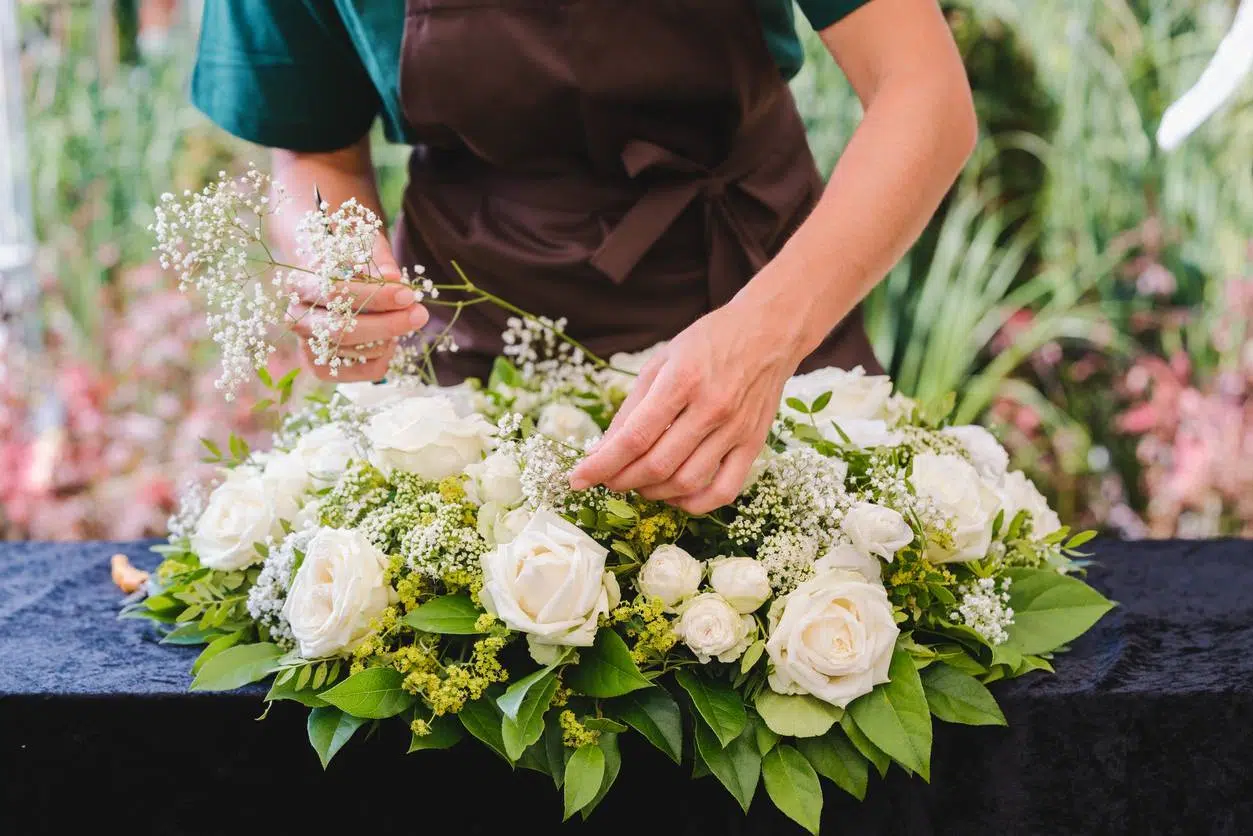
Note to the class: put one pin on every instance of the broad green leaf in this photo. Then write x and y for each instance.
(862, 744)
(751, 655)
(556, 752)
(374, 693)
(236, 666)
(215, 647)
(835, 758)
(482, 718)
(606, 669)
(1080, 539)
(519, 732)
(793, 786)
(654, 714)
(453, 615)
(798, 405)
(608, 744)
(604, 724)
(820, 403)
(286, 690)
(721, 707)
(511, 700)
(896, 718)
(584, 774)
(445, 733)
(191, 634)
(797, 715)
(737, 765)
(766, 739)
(1050, 609)
(955, 697)
(329, 730)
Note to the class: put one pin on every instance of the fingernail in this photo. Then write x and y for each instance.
(417, 317)
(578, 484)
(404, 297)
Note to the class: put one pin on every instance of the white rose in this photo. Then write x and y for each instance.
(425, 436)
(877, 531)
(899, 408)
(957, 491)
(1019, 494)
(989, 457)
(850, 559)
(370, 395)
(241, 511)
(287, 475)
(496, 479)
(711, 628)
(742, 581)
(327, 452)
(832, 637)
(497, 524)
(339, 588)
(625, 368)
(549, 582)
(862, 433)
(670, 574)
(854, 394)
(566, 422)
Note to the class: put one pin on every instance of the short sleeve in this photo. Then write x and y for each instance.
(282, 73)
(823, 13)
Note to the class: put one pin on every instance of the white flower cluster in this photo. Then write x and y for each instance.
(269, 593)
(983, 606)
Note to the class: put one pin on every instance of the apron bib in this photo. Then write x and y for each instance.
(626, 164)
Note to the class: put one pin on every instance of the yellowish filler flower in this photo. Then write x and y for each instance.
(573, 733)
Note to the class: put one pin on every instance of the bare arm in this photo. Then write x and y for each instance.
(387, 313)
(701, 409)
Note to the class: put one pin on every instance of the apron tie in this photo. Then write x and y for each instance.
(657, 210)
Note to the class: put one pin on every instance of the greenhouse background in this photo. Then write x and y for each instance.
(1084, 291)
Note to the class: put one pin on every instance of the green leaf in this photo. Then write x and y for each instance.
(719, 706)
(239, 447)
(445, 733)
(284, 689)
(751, 655)
(896, 718)
(798, 405)
(737, 765)
(302, 677)
(608, 744)
(217, 646)
(956, 697)
(619, 508)
(266, 380)
(236, 666)
(503, 372)
(655, 715)
(820, 403)
(262, 405)
(511, 700)
(453, 615)
(766, 739)
(319, 676)
(190, 634)
(517, 733)
(796, 715)
(604, 724)
(868, 750)
(212, 447)
(793, 786)
(606, 669)
(482, 718)
(329, 730)
(835, 758)
(1080, 539)
(1050, 609)
(374, 693)
(584, 774)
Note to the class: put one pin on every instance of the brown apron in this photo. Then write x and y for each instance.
(626, 164)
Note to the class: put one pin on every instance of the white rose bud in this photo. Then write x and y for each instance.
(987, 454)
(568, 423)
(711, 628)
(877, 531)
(742, 581)
(497, 524)
(327, 451)
(426, 437)
(496, 479)
(854, 394)
(850, 559)
(1019, 494)
(956, 490)
(243, 510)
(832, 638)
(549, 582)
(670, 574)
(339, 589)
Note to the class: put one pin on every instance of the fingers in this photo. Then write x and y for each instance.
(367, 297)
(372, 369)
(638, 431)
(726, 485)
(697, 471)
(688, 436)
(368, 351)
(642, 384)
(371, 327)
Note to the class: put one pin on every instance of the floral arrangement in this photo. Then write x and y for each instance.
(415, 552)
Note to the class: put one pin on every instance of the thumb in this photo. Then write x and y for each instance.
(384, 259)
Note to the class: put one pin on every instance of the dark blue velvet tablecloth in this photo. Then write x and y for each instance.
(1147, 728)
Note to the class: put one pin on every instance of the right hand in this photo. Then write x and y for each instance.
(386, 313)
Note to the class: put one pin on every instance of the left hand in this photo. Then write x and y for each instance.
(699, 412)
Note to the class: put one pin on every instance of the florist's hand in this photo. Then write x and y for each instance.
(698, 414)
(387, 312)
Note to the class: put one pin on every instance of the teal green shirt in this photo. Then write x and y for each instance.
(312, 75)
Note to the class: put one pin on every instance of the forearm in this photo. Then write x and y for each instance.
(337, 175)
(909, 148)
